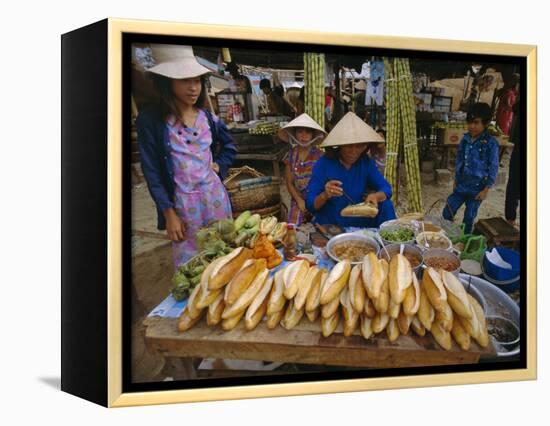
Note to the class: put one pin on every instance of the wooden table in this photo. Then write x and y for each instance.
(304, 344)
(498, 232)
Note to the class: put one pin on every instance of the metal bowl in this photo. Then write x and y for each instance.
(474, 291)
(431, 253)
(350, 237)
(498, 303)
(393, 249)
(494, 321)
(421, 241)
(392, 225)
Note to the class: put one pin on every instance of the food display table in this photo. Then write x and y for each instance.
(303, 344)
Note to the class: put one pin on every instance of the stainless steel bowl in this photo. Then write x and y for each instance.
(431, 253)
(350, 237)
(498, 303)
(393, 249)
(501, 322)
(392, 225)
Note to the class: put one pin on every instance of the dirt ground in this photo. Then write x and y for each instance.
(152, 262)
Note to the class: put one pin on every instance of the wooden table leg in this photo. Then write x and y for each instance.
(276, 170)
(180, 368)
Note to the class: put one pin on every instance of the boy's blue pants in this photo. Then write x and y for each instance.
(460, 196)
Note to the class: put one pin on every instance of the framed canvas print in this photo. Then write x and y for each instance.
(253, 212)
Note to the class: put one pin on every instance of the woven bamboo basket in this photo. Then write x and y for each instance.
(248, 189)
(274, 210)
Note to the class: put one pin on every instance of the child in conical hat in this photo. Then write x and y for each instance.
(304, 134)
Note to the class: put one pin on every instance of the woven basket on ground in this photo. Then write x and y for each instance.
(274, 210)
(248, 189)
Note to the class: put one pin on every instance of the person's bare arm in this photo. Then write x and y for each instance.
(333, 188)
(292, 189)
(174, 225)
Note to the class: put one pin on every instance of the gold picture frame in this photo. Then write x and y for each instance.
(116, 28)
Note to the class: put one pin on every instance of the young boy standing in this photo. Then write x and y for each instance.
(476, 170)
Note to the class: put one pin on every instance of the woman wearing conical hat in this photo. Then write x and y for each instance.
(185, 150)
(304, 135)
(346, 168)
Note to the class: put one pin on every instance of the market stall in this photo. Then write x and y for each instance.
(312, 296)
(413, 291)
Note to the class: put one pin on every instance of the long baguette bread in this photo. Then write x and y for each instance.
(373, 274)
(360, 210)
(400, 277)
(356, 288)
(312, 278)
(456, 294)
(242, 279)
(227, 267)
(248, 296)
(336, 281)
(294, 275)
(277, 299)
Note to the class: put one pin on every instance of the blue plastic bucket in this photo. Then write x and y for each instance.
(506, 279)
(502, 274)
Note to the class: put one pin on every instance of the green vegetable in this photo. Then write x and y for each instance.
(179, 293)
(241, 220)
(241, 237)
(195, 280)
(253, 231)
(182, 285)
(224, 226)
(397, 236)
(198, 270)
(253, 221)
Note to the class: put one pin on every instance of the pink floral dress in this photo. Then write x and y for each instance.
(301, 174)
(200, 196)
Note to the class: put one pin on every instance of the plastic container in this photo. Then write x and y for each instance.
(509, 286)
(497, 273)
(290, 243)
(474, 248)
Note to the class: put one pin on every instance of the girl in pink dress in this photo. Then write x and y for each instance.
(185, 151)
(304, 135)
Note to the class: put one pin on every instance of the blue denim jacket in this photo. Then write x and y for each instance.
(156, 163)
(477, 162)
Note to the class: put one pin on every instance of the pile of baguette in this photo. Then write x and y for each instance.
(372, 297)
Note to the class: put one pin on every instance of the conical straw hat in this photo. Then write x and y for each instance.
(350, 130)
(175, 61)
(303, 120)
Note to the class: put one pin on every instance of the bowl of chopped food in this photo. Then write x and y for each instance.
(410, 251)
(504, 331)
(442, 259)
(351, 246)
(393, 231)
(429, 239)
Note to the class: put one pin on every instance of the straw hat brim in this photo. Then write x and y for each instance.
(351, 130)
(303, 120)
(179, 69)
